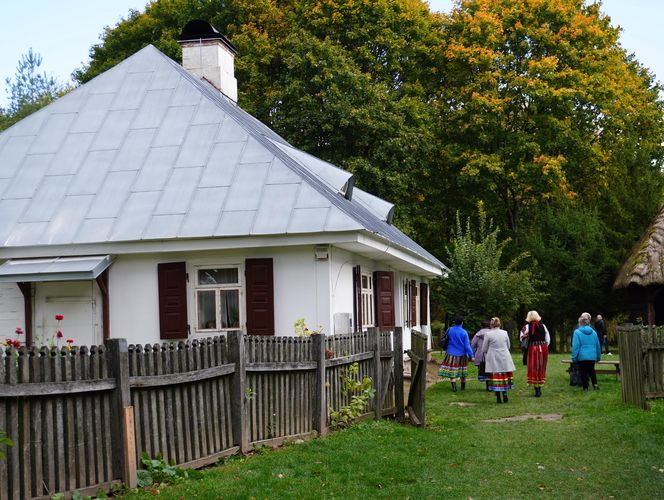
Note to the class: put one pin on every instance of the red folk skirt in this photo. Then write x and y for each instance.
(538, 355)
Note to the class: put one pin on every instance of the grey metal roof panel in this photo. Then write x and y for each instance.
(73, 151)
(156, 169)
(52, 133)
(27, 179)
(153, 108)
(65, 222)
(135, 215)
(47, 199)
(328, 173)
(381, 208)
(92, 173)
(112, 195)
(222, 163)
(94, 230)
(146, 150)
(308, 220)
(54, 269)
(233, 223)
(203, 216)
(11, 211)
(178, 191)
(245, 192)
(197, 144)
(134, 149)
(276, 205)
(113, 130)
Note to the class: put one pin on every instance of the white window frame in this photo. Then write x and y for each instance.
(217, 289)
(368, 305)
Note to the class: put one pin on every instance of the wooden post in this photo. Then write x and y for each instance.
(239, 421)
(122, 413)
(102, 282)
(398, 374)
(374, 343)
(320, 400)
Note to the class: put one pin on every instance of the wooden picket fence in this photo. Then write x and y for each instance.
(81, 419)
(641, 364)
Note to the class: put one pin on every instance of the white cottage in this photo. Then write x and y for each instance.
(146, 204)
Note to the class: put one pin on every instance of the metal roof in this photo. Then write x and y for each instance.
(55, 269)
(147, 151)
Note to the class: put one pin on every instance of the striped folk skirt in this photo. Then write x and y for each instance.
(454, 367)
(500, 381)
(481, 372)
(538, 355)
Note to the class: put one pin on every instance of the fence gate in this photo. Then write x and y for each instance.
(418, 382)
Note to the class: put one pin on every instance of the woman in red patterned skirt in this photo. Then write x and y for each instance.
(538, 350)
(498, 361)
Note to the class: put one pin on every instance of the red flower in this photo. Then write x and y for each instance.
(70, 341)
(59, 317)
(59, 334)
(19, 330)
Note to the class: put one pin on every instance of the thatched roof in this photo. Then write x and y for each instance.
(645, 264)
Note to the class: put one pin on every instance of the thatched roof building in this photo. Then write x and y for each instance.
(642, 274)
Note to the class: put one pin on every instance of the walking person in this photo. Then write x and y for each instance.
(538, 350)
(476, 344)
(586, 351)
(498, 361)
(455, 363)
(600, 329)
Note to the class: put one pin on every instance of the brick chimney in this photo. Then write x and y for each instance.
(207, 54)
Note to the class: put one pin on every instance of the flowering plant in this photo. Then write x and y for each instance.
(55, 339)
(301, 329)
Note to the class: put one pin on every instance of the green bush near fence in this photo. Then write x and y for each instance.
(590, 446)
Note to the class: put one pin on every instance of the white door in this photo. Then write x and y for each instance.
(79, 302)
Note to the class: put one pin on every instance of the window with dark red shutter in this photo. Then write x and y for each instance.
(260, 296)
(384, 300)
(172, 300)
(424, 304)
(357, 298)
(413, 303)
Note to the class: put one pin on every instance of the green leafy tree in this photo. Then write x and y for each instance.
(569, 245)
(480, 285)
(29, 90)
(543, 104)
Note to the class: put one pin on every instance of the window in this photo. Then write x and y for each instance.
(218, 299)
(367, 301)
(411, 303)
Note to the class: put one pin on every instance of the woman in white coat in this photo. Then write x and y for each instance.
(498, 360)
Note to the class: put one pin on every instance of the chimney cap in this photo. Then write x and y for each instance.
(197, 30)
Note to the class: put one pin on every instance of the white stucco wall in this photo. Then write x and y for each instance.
(11, 311)
(301, 290)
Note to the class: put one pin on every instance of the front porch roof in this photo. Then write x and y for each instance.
(54, 269)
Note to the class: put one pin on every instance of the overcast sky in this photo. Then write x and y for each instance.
(63, 31)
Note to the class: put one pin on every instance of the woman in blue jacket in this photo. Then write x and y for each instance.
(457, 355)
(586, 350)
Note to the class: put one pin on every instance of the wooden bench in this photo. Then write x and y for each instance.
(611, 367)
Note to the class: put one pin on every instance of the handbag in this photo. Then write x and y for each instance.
(444, 341)
(524, 344)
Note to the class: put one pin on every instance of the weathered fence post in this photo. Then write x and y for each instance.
(238, 388)
(122, 413)
(320, 400)
(374, 343)
(398, 374)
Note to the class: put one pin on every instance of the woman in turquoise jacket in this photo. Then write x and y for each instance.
(586, 350)
(457, 354)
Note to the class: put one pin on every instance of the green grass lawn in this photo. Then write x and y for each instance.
(599, 449)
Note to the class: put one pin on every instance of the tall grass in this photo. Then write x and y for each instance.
(600, 448)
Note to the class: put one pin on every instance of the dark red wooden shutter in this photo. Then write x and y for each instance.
(357, 298)
(172, 300)
(384, 299)
(413, 303)
(424, 304)
(260, 296)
